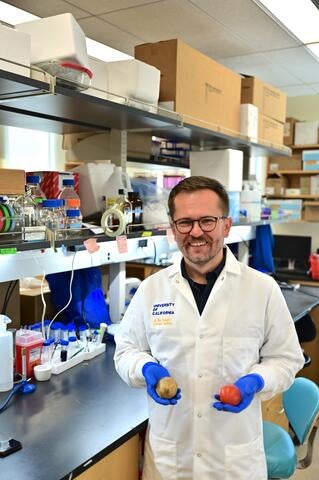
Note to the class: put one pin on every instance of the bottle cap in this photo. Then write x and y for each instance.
(73, 213)
(32, 179)
(73, 202)
(67, 182)
(72, 339)
(52, 203)
(64, 343)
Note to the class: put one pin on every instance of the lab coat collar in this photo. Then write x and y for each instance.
(232, 265)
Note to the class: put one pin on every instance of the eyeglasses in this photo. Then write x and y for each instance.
(206, 224)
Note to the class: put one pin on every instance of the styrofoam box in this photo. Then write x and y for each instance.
(249, 121)
(15, 46)
(59, 37)
(99, 79)
(306, 133)
(133, 79)
(226, 166)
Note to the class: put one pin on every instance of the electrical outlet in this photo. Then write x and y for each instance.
(142, 242)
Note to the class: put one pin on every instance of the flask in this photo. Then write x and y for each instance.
(137, 209)
(6, 355)
(68, 190)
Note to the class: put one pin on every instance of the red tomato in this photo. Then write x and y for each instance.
(230, 394)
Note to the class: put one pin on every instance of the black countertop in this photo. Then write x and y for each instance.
(79, 415)
(300, 301)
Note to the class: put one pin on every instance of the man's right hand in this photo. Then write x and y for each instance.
(153, 372)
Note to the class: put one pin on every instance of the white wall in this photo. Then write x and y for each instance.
(302, 108)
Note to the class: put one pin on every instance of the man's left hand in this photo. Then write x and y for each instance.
(248, 386)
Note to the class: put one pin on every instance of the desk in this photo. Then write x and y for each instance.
(82, 414)
(301, 301)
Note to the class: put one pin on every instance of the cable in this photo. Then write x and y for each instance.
(70, 290)
(155, 251)
(8, 295)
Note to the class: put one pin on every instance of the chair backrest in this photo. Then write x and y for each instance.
(301, 404)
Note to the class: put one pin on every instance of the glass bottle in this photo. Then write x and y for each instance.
(52, 214)
(68, 191)
(124, 205)
(137, 210)
(73, 220)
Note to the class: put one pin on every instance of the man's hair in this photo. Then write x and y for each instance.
(195, 183)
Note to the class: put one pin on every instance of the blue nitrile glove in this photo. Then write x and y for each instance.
(248, 386)
(153, 372)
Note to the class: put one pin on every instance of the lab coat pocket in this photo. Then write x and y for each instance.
(246, 461)
(164, 455)
(239, 354)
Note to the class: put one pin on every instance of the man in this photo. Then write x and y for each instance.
(206, 321)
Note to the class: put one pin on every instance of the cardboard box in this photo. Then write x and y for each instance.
(285, 163)
(306, 133)
(12, 182)
(269, 130)
(314, 185)
(311, 211)
(205, 92)
(269, 100)
(51, 182)
(276, 186)
(310, 165)
(13, 304)
(32, 306)
(305, 185)
(289, 131)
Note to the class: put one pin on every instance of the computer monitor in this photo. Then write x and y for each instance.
(292, 252)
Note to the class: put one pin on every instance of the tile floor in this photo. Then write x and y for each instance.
(312, 472)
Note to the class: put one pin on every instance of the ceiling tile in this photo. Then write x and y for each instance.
(48, 8)
(97, 7)
(103, 32)
(249, 22)
(299, 90)
(259, 66)
(298, 61)
(158, 21)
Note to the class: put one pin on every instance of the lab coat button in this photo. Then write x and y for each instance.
(200, 375)
(198, 454)
(201, 336)
(199, 415)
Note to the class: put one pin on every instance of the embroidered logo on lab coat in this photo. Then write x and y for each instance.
(162, 314)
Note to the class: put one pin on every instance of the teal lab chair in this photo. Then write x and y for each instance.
(287, 451)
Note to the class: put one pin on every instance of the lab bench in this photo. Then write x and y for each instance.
(83, 420)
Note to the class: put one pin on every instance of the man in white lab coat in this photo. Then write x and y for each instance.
(207, 321)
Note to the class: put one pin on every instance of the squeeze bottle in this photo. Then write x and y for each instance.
(6, 355)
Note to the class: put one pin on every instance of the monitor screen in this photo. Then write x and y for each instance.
(292, 251)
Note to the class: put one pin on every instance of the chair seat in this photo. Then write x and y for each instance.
(280, 452)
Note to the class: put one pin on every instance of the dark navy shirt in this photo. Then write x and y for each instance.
(201, 292)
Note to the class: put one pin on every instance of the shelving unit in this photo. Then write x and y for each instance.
(29, 103)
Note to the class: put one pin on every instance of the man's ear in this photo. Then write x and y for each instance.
(227, 226)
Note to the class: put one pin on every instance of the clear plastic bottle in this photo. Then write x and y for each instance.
(52, 214)
(46, 352)
(68, 191)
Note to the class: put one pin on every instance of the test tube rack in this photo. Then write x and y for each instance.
(90, 351)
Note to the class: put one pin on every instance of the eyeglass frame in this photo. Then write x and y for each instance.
(198, 220)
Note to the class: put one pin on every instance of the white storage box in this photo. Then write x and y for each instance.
(15, 46)
(99, 79)
(56, 38)
(226, 166)
(93, 186)
(133, 79)
(306, 133)
(249, 121)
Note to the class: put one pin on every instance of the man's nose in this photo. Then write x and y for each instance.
(196, 231)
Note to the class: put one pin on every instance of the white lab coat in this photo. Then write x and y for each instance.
(244, 328)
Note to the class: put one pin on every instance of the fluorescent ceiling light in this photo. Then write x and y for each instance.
(14, 16)
(300, 17)
(103, 52)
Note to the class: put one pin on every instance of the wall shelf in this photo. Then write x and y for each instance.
(28, 103)
(305, 147)
(293, 172)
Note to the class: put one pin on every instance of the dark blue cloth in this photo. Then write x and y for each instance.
(262, 250)
(88, 305)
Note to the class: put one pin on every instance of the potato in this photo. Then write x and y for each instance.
(166, 387)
